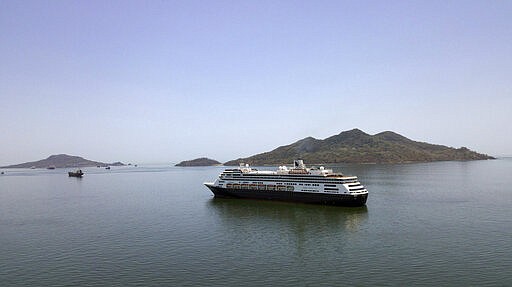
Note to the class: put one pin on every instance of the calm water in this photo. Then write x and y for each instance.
(447, 223)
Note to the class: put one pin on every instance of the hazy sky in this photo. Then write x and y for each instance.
(165, 81)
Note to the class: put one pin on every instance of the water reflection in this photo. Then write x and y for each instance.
(301, 224)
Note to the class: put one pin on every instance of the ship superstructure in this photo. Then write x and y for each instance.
(299, 183)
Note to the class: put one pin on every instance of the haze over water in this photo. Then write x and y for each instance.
(445, 223)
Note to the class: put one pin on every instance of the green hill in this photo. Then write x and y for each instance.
(62, 160)
(356, 146)
(203, 161)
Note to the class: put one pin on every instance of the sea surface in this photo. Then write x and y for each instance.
(431, 224)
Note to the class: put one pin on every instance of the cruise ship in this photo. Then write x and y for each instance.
(298, 183)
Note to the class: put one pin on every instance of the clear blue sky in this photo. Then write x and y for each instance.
(164, 81)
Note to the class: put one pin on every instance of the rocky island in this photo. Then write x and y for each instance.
(62, 161)
(356, 146)
(203, 161)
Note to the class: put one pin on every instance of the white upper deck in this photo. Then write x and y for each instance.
(298, 169)
(298, 178)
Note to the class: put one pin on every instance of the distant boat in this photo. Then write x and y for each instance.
(2, 172)
(108, 167)
(33, 167)
(51, 167)
(77, 173)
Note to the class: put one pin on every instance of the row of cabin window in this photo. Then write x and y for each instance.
(284, 183)
(310, 180)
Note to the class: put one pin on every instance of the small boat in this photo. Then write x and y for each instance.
(51, 167)
(77, 173)
(108, 167)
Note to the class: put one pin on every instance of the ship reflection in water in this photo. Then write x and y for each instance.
(272, 221)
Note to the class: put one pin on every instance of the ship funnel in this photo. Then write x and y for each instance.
(299, 163)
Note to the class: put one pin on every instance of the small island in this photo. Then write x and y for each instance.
(203, 161)
(62, 161)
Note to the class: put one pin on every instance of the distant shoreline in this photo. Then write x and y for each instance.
(378, 163)
(356, 146)
(63, 161)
